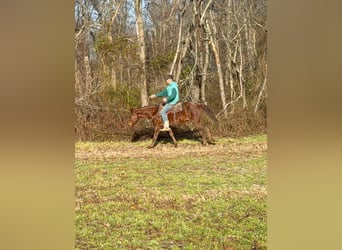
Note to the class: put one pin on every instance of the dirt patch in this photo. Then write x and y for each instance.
(166, 150)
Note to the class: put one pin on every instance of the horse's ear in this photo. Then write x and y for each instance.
(131, 110)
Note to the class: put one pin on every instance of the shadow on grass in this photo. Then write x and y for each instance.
(164, 137)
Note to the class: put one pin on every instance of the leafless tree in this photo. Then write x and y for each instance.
(142, 49)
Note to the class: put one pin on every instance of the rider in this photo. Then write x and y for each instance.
(171, 97)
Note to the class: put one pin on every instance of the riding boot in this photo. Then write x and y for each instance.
(166, 126)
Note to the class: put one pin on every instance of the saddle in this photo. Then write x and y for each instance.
(176, 108)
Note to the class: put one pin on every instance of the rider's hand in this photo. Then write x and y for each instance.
(152, 96)
(164, 99)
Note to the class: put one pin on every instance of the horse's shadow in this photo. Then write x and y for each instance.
(164, 137)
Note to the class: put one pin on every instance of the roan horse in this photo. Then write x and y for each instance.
(191, 112)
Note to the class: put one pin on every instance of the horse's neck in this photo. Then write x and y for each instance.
(146, 113)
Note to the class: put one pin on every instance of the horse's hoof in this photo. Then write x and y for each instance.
(175, 145)
(150, 146)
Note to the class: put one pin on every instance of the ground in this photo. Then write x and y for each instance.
(188, 197)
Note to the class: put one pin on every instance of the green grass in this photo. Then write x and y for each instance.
(206, 198)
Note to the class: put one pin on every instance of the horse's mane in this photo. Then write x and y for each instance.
(144, 109)
(150, 106)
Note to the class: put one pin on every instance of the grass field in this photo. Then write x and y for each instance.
(189, 197)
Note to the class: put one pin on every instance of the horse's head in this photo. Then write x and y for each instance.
(133, 118)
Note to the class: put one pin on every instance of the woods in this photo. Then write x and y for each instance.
(124, 49)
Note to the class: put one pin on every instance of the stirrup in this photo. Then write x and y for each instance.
(165, 129)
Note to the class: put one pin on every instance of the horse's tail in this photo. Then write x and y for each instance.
(209, 112)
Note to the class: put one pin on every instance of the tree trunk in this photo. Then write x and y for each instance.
(182, 54)
(205, 72)
(178, 44)
(230, 79)
(215, 49)
(261, 91)
(142, 55)
(241, 81)
(88, 81)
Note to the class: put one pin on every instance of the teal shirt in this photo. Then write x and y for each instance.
(171, 92)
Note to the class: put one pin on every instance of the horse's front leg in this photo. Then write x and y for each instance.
(173, 137)
(155, 136)
(133, 136)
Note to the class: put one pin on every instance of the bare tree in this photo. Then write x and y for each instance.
(142, 55)
(179, 38)
(211, 28)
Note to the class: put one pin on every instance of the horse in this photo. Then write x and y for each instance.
(190, 112)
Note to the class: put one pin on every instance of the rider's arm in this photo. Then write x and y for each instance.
(162, 93)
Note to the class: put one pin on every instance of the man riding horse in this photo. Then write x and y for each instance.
(171, 97)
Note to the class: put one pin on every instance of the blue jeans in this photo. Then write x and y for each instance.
(164, 110)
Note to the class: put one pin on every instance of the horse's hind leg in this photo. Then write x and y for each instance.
(173, 137)
(202, 132)
(204, 136)
(209, 135)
